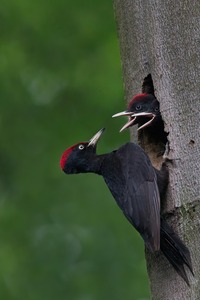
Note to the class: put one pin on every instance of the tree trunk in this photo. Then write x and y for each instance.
(162, 38)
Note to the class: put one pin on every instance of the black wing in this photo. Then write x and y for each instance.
(132, 182)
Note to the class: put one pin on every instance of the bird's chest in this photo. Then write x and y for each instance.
(115, 180)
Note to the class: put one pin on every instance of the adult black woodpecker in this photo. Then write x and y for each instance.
(133, 182)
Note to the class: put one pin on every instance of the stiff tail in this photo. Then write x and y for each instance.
(175, 251)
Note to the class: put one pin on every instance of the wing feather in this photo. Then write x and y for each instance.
(134, 187)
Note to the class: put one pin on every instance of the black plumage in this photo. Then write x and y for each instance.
(136, 187)
(131, 179)
(144, 111)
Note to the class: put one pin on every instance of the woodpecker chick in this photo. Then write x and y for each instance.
(143, 110)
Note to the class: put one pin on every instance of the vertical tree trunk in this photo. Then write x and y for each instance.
(163, 38)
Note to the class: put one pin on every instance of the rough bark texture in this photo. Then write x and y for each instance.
(163, 38)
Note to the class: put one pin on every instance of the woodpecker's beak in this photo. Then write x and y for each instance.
(130, 122)
(133, 119)
(123, 113)
(128, 114)
(94, 140)
(144, 114)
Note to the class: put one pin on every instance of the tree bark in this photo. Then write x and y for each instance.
(163, 38)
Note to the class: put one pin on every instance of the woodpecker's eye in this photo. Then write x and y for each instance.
(81, 147)
(157, 108)
(138, 107)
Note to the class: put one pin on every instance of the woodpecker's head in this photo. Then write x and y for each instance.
(142, 110)
(77, 158)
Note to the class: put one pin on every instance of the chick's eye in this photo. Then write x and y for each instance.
(81, 147)
(138, 107)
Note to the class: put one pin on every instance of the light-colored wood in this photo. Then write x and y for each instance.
(163, 38)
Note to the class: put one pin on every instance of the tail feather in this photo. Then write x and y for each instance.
(175, 251)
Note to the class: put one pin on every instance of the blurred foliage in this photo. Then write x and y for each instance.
(62, 237)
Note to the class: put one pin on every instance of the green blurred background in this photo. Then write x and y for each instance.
(61, 237)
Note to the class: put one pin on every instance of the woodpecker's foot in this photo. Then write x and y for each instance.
(162, 150)
(166, 156)
(166, 153)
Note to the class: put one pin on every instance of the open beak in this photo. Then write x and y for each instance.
(144, 114)
(128, 114)
(130, 122)
(133, 119)
(122, 113)
(94, 140)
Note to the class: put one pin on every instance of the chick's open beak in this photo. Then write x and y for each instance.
(122, 113)
(144, 114)
(133, 119)
(128, 114)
